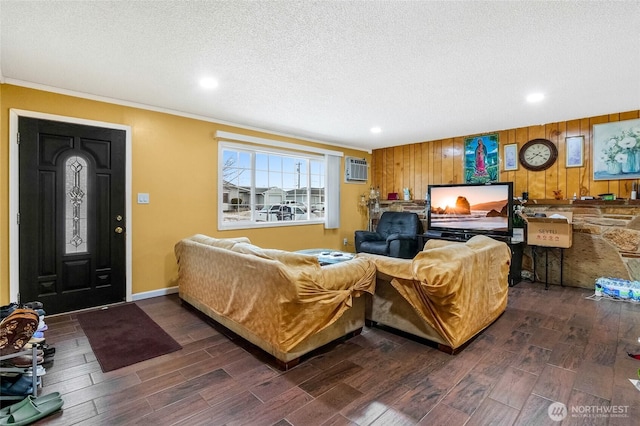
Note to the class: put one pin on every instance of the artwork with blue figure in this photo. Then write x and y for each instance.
(481, 159)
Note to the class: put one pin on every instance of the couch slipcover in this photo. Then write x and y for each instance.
(280, 301)
(447, 293)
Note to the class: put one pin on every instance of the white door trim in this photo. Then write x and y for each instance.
(14, 193)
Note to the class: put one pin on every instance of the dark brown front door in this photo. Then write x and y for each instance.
(72, 206)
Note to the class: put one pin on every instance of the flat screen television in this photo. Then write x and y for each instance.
(460, 211)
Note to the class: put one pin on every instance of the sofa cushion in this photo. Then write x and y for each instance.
(248, 248)
(433, 243)
(374, 247)
(398, 223)
(226, 243)
(293, 259)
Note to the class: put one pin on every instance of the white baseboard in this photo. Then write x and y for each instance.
(155, 293)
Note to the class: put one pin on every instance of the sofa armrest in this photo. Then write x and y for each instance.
(356, 275)
(391, 267)
(404, 246)
(362, 236)
(399, 236)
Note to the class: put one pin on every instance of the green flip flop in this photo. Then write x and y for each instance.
(29, 412)
(6, 411)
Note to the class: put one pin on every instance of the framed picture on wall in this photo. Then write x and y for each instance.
(511, 157)
(575, 151)
(616, 150)
(481, 158)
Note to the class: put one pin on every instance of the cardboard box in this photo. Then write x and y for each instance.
(550, 232)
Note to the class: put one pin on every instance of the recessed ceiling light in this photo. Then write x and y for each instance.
(208, 83)
(535, 97)
(376, 130)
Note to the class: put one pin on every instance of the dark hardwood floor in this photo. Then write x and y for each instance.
(548, 346)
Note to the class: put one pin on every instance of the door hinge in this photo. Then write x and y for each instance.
(18, 138)
(18, 218)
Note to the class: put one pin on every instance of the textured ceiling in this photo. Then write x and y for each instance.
(331, 70)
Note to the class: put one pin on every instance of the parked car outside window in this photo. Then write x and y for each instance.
(280, 212)
(294, 203)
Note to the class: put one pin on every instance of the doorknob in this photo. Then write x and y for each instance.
(119, 230)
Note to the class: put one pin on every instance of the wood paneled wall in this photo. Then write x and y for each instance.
(418, 165)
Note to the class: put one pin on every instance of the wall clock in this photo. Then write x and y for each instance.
(538, 154)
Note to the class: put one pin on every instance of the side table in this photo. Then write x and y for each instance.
(546, 263)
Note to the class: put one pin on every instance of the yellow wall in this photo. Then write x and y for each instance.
(418, 165)
(175, 161)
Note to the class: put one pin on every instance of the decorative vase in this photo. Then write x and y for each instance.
(637, 155)
(629, 166)
(614, 168)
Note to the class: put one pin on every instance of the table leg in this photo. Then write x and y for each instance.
(546, 269)
(561, 263)
(533, 255)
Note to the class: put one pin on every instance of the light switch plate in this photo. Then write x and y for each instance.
(143, 198)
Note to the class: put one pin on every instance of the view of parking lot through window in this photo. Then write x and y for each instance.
(263, 186)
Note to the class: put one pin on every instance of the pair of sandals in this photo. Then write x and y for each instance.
(17, 329)
(30, 409)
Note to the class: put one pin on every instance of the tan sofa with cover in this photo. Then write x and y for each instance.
(283, 302)
(448, 293)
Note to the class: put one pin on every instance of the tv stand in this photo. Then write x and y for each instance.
(459, 236)
(517, 248)
(448, 236)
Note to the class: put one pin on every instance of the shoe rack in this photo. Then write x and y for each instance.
(21, 370)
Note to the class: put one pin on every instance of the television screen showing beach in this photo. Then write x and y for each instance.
(470, 208)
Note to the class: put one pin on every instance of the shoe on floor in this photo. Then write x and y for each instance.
(29, 412)
(37, 340)
(33, 305)
(6, 310)
(16, 330)
(34, 400)
(20, 386)
(40, 371)
(22, 361)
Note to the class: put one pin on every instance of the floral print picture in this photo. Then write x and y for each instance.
(616, 150)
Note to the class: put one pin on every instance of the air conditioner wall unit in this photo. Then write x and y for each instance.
(356, 169)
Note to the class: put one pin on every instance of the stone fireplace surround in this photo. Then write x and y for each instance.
(606, 240)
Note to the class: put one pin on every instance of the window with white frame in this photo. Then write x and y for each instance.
(264, 186)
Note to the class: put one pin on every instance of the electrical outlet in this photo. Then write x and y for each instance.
(143, 198)
(345, 242)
